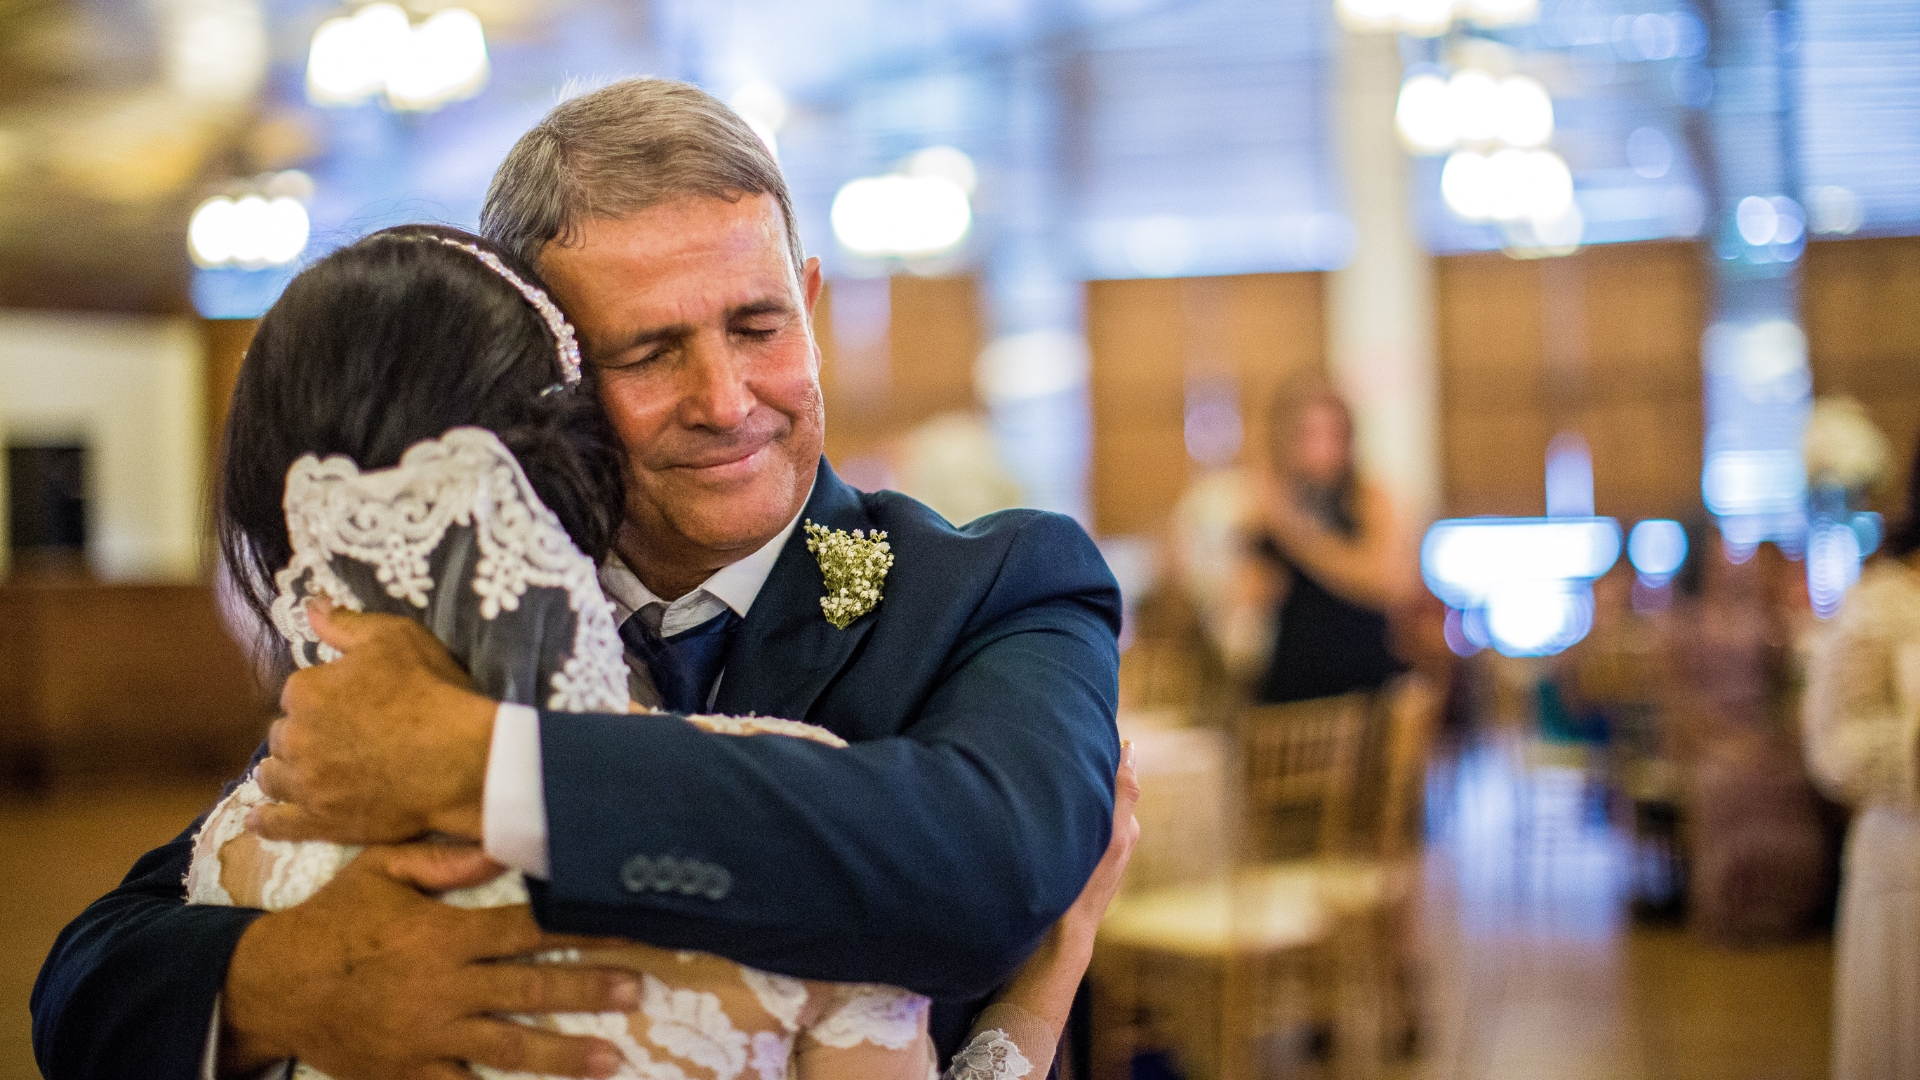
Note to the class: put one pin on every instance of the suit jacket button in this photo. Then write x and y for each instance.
(638, 874)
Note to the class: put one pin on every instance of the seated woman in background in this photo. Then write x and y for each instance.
(1327, 558)
(412, 433)
(1862, 729)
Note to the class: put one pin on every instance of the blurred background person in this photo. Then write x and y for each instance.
(1862, 724)
(1327, 557)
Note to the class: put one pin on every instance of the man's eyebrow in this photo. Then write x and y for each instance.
(645, 336)
(772, 305)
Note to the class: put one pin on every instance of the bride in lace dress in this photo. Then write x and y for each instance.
(475, 494)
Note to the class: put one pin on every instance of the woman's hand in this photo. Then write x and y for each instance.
(1082, 920)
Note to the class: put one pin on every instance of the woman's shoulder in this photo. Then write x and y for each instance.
(1886, 598)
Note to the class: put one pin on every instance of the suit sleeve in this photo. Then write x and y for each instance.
(933, 860)
(128, 991)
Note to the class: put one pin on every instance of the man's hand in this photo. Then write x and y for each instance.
(385, 744)
(373, 980)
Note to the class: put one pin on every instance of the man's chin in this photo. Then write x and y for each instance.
(728, 509)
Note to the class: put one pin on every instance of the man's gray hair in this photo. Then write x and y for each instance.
(623, 148)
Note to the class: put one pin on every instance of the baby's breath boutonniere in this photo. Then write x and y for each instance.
(855, 565)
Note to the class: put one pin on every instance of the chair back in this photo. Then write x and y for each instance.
(1185, 826)
(1300, 768)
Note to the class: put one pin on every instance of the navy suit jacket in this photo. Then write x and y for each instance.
(932, 854)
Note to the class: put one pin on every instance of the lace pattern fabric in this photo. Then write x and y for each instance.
(989, 1055)
(392, 520)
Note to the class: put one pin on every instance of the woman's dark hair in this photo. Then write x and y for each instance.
(1904, 538)
(384, 343)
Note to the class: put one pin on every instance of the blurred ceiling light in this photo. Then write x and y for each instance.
(901, 216)
(1649, 153)
(1527, 581)
(1431, 18)
(1751, 483)
(1760, 221)
(1473, 100)
(1473, 109)
(1569, 477)
(261, 228)
(1034, 364)
(1523, 113)
(216, 50)
(1500, 12)
(1657, 547)
(1833, 565)
(1836, 211)
(442, 60)
(1508, 185)
(1161, 245)
(1424, 114)
(350, 55)
(944, 161)
(1756, 219)
(445, 61)
(764, 108)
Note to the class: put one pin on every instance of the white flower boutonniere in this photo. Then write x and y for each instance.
(855, 566)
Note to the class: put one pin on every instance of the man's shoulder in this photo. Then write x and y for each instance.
(910, 523)
(1019, 554)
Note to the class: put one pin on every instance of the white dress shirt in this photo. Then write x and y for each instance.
(514, 806)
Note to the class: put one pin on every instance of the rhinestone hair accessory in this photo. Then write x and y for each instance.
(542, 303)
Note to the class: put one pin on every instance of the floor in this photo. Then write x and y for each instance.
(1533, 972)
(1537, 973)
(56, 855)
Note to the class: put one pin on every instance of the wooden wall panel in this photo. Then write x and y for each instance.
(1149, 338)
(934, 333)
(111, 678)
(1605, 343)
(1861, 310)
(1138, 382)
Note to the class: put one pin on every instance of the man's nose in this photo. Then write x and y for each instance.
(713, 390)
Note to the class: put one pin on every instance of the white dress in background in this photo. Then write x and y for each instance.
(455, 537)
(1862, 728)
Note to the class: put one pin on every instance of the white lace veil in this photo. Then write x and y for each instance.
(455, 538)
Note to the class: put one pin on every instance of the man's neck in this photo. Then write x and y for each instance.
(671, 570)
(671, 579)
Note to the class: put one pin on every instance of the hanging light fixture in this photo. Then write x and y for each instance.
(254, 225)
(377, 50)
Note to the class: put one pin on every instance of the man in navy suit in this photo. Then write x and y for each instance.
(932, 854)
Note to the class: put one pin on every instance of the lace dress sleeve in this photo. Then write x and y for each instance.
(1006, 1044)
(1861, 719)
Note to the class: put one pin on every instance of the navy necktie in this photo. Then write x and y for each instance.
(685, 665)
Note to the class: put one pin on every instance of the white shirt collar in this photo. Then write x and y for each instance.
(735, 585)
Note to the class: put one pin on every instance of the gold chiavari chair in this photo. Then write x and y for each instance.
(1219, 965)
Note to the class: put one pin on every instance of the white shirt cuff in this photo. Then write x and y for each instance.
(513, 810)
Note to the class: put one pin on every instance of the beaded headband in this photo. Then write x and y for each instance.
(542, 303)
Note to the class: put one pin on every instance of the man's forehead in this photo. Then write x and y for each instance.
(676, 260)
(747, 227)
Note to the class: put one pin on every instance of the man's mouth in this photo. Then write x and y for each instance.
(726, 464)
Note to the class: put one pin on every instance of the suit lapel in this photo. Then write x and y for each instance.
(787, 653)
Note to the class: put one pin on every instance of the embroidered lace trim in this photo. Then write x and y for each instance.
(692, 1024)
(765, 725)
(781, 996)
(989, 1055)
(885, 1016)
(227, 821)
(392, 519)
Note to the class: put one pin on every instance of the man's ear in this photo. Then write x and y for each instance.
(810, 283)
